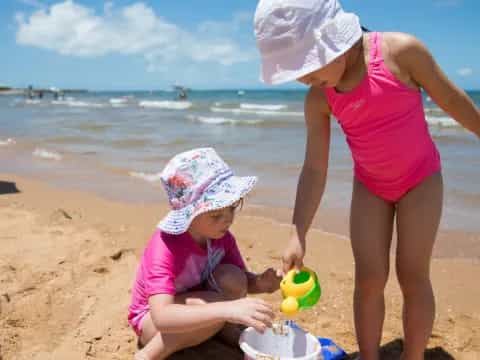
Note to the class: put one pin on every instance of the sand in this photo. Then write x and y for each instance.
(67, 261)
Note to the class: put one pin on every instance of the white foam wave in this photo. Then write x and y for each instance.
(85, 104)
(222, 120)
(145, 176)
(59, 102)
(7, 142)
(441, 121)
(258, 112)
(46, 154)
(262, 107)
(32, 101)
(174, 105)
(117, 101)
(77, 103)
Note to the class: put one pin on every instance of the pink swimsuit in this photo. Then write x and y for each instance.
(385, 127)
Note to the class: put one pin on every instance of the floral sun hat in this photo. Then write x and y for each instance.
(198, 181)
(297, 37)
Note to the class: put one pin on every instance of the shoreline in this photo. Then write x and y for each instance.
(86, 174)
(68, 260)
(13, 92)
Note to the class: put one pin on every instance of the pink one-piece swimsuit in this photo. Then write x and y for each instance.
(385, 127)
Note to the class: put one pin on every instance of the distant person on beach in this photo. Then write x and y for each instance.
(192, 281)
(29, 92)
(371, 82)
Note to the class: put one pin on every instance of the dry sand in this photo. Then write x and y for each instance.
(67, 261)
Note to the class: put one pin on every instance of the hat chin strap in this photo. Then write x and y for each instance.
(212, 262)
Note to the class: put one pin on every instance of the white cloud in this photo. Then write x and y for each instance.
(72, 29)
(466, 71)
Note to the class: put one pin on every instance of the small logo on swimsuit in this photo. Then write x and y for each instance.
(357, 104)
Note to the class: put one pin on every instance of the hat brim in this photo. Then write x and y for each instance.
(219, 196)
(314, 52)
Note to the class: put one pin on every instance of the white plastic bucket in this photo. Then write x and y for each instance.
(280, 343)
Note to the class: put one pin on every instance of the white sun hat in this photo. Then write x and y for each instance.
(296, 37)
(197, 181)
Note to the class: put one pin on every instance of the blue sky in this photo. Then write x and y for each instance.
(113, 45)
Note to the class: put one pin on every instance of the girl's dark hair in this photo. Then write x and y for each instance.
(364, 29)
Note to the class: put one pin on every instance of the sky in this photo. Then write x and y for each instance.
(147, 45)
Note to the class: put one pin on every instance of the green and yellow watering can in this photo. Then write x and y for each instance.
(300, 290)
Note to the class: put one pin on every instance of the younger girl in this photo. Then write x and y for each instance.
(371, 83)
(192, 280)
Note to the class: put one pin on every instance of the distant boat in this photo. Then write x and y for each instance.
(181, 91)
(240, 92)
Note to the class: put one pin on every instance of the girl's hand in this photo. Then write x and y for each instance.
(268, 281)
(293, 254)
(249, 312)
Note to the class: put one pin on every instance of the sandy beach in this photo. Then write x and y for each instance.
(97, 96)
(68, 258)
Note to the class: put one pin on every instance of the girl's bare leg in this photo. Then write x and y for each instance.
(232, 283)
(418, 217)
(371, 226)
(160, 345)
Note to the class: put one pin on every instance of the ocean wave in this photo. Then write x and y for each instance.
(69, 139)
(145, 176)
(63, 100)
(225, 103)
(177, 141)
(85, 104)
(77, 103)
(7, 142)
(33, 101)
(131, 143)
(89, 126)
(257, 112)
(118, 101)
(46, 154)
(173, 105)
(441, 121)
(222, 120)
(262, 107)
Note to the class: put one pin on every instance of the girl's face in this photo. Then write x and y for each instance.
(328, 76)
(213, 224)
